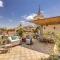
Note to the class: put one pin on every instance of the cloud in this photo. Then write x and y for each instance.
(1, 4)
(26, 18)
(29, 17)
(25, 23)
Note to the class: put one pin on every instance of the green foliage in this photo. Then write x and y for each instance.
(36, 30)
(53, 57)
(20, 32)
(58, 45)
(4, 40)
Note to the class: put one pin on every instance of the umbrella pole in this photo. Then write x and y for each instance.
(41, 32)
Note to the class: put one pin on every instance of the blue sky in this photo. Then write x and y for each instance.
(14, 11)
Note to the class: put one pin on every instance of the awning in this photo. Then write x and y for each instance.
(47, 21)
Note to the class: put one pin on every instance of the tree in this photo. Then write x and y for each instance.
(20, 31)
(36, 31)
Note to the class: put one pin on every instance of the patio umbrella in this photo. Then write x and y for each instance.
(47, 21)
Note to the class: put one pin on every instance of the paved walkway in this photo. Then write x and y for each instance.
(46, 48)
(28, 52)
(22, 53)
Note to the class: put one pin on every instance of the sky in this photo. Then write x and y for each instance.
(14, 12)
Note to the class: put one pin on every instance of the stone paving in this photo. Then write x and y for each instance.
(46, 48)
(28, 52)
(22, 53)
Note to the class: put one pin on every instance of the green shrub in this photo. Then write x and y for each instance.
(53, 57)
(20, 32)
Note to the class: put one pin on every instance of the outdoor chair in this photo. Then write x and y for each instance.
(3, 50)
(23, 39)
(15, 40)
(29, 41)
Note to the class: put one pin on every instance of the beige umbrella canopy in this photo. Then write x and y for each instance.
(47, 21)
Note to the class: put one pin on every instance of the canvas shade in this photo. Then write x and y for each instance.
(47, 21)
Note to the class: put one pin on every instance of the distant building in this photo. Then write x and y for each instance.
(9, 32)
(52, 23)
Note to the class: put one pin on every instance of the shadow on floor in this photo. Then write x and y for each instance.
(46, 48)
